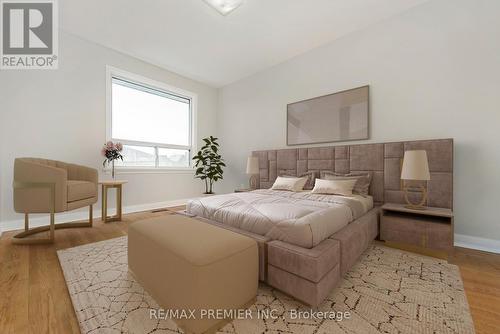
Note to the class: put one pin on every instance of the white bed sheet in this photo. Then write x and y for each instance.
(299, 218)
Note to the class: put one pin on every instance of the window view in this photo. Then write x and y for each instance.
(171, 157)
(138, 156)
(154, 126)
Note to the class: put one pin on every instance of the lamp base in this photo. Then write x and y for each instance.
(416, 206)
(253, 182)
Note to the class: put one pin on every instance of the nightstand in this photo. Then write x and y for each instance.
(242, 190)
(429, 231)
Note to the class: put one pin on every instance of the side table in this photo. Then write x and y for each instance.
(243, 190)
(105, 185)
(429, 231)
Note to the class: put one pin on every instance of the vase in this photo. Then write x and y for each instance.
(113, 169)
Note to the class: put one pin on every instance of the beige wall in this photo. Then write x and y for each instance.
(434, 72)
(61, 114)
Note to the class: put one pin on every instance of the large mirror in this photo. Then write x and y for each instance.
(340, 116)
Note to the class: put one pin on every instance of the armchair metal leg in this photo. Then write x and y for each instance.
(19, 238)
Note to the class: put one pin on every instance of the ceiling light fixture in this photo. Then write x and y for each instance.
(224, 7)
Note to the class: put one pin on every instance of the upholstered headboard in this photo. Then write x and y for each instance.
(382, 160)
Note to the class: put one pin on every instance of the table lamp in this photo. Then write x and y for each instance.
(415, 168)
(253, 171)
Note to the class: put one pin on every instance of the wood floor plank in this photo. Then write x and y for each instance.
(14, 285)
(34, 297)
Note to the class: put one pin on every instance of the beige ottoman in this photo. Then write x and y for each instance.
(185, 264)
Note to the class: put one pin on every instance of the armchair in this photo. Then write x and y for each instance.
(49, 186)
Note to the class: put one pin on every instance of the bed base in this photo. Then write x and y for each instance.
(310, 274)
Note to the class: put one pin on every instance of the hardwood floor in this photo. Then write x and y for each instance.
(34, 297)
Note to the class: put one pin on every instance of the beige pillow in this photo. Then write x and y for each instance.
(311, 176)
(289, 183)
(334, 187)
(362, 185)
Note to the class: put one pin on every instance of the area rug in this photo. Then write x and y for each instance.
(388, 291)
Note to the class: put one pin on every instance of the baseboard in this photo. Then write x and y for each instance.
(483, 244)
(466, 241)
(41, 220)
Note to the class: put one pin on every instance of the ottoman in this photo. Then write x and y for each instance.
(185, 264)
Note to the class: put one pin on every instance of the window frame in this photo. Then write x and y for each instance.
(112, 72)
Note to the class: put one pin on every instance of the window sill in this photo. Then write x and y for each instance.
(150, 170)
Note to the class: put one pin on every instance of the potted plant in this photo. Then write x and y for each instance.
(112, 152)
(209, 163)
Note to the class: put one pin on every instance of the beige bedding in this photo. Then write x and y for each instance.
(299, 218)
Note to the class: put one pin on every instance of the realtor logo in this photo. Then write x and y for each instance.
(29, 34)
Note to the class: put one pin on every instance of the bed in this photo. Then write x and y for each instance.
(308, 242)
(299, 218)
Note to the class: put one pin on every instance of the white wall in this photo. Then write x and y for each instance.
(61, 115)
(434, 72)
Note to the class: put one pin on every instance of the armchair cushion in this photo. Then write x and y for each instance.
(81, 173)
(79, 190)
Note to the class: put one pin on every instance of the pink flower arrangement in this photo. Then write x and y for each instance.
(112, 151)
(111, 147)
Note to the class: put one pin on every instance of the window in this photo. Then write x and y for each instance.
(152, 121)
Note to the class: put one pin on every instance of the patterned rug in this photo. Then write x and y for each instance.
(388, 291)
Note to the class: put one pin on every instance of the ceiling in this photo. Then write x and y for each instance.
(192, 39)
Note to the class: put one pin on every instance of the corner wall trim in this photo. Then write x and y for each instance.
(483, 244)
(42, 220)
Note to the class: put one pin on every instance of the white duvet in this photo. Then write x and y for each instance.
(299, 218)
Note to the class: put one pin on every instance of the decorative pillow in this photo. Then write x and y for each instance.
(362, 185)
(334, 187)
(311, 176)
(289, 183)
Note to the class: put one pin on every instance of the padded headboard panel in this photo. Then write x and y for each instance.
(383, 160)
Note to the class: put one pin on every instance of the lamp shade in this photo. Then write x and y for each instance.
(252, 165)
(415, 166)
